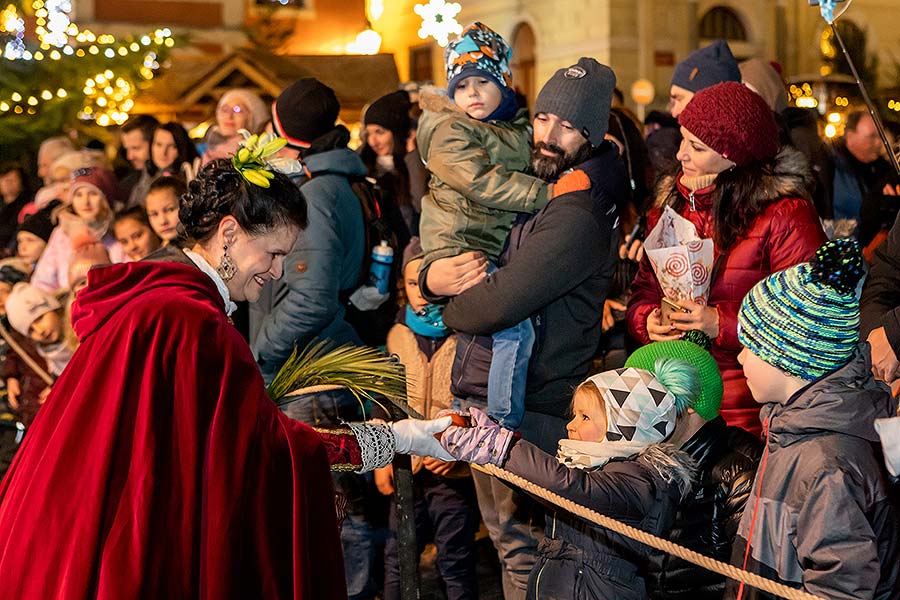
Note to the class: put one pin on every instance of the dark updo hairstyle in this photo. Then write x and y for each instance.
(220, 191)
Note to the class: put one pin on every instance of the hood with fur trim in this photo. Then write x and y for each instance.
(790, 178)
(671, 464)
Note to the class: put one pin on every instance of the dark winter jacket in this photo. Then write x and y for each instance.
(577, 559)
(824, 522)
(9, 218)
(708, 519)
(305, 303)
(843, 173)
(30, 383)
(557, 269)
(786, 233)
(880, 302)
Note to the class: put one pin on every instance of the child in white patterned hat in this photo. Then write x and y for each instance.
(615, 461)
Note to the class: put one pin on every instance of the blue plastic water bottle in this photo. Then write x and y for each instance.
(380, 269)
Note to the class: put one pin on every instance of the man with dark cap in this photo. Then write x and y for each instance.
(702, 68)
(305, 305)
(556, 271)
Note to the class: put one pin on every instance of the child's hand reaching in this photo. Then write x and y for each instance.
(485, 442)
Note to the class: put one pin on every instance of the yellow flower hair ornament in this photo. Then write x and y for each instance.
(256, 159)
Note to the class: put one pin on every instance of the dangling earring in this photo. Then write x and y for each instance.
(226, 268)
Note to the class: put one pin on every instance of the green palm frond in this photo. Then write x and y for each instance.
(364, 371)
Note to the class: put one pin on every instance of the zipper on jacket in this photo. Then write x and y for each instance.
(465, 361)
(537, 580)
(691, 198)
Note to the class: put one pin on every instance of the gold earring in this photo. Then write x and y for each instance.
(226, 269)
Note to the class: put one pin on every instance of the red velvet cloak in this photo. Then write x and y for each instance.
(159, 468)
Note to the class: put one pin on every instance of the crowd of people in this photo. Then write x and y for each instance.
(146, 308)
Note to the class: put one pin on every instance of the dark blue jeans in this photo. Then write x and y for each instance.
(446, 512)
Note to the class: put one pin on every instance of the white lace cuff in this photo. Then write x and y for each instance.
(376, 444)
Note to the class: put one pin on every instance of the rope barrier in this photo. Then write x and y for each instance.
(695, 558)
(658, 543)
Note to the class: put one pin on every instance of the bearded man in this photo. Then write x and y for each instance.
(556, 271)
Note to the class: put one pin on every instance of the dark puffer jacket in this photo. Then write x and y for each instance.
(577, 559)
(708, 519)
(825, 522)
(786, 233)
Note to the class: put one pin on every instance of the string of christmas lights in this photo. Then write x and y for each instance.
(107, 95)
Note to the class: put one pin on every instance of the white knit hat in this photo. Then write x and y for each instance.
(259, 111)
(27, 303)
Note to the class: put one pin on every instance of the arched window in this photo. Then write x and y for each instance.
(722, 22)
(523, 60)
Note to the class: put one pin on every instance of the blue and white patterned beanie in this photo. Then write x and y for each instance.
(480, 51)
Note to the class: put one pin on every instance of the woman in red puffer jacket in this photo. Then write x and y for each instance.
(753, 200)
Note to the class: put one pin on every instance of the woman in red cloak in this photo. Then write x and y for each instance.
(159, 468)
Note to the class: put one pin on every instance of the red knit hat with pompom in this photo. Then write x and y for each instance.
(734, 121)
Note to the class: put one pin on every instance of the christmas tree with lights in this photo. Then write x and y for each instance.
(56, 76)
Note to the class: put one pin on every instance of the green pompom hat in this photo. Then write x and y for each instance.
(707, 403)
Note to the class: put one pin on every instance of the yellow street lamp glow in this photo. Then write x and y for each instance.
(834, 118)
(830, 131)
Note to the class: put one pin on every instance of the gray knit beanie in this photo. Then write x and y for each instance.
(580, 94)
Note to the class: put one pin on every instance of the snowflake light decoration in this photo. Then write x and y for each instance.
(439, 20)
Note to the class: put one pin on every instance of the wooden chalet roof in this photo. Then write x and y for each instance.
(190, 87)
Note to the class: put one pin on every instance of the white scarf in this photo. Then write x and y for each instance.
(204, 266)
(577, 454)
(57, 356)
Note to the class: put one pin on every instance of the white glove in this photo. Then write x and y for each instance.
(368, 297)
(416, 436)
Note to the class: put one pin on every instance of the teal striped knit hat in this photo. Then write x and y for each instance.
(805, 320)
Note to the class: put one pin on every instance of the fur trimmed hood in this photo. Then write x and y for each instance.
(790, 178)
(672, 464)
(437, 101)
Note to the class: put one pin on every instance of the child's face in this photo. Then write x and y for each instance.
(380, 140)
(135, 238)
(29, 246)
(589, 421)
(478, 96)
(5, 290)
(766, 382)
(162, 211)
(411, 282)
(88, 203)
(46, 328)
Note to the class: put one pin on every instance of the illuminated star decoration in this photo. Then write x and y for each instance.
(439, 20)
